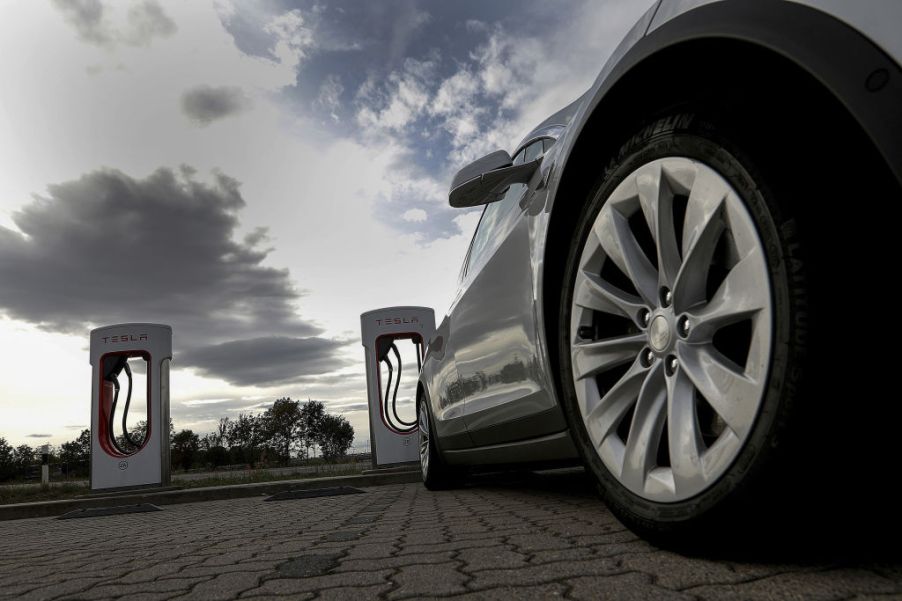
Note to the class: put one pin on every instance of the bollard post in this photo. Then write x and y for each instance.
(45, 466)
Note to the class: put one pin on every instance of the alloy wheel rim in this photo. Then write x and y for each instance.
(670, 333)
(423, 422)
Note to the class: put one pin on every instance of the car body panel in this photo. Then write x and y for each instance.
(838, 42)
(438, 377)
(878, 20)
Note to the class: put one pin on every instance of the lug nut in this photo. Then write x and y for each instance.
(646, 358)
(585, 332)
(644, 317)
(666, 297)
(683, 326)
(671, 365)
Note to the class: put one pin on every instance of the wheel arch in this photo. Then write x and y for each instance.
(765, 53)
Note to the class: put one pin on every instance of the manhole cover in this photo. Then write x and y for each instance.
(94, 512)
(314, 492)
(308, 565)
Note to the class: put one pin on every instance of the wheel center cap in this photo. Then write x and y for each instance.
(659, 334)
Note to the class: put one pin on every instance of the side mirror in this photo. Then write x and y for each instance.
(487, 179)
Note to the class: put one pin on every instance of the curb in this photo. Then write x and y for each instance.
(40, 509)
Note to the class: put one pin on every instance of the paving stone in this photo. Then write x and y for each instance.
(489, 558)
(224, 587)
(526, 543)
(544, 573)
(520, 593)
(292, 586)
(356, 565)
(673, 571)
(342, 536)
(420, 581)
(308, 565)
(57, 589)
(354, 593)
(623, 587)
(108, 590)
(808, 586)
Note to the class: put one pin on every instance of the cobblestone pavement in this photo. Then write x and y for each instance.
(489, 541)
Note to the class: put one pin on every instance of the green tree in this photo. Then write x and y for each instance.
(7, 460)
(312, 415)
(222, 431)
(244, 438)
(283, 427)
(76, 454)
(335, 436)
(185, 446)
(23, 457)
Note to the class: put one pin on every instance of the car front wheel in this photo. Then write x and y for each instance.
(679, 344)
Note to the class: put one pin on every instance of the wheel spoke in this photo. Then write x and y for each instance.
(591, 358)
(732, 394)
(605, 414)
(683, 433)
(656, 199)
(702, 228)
(742, 293)
(620, 245)
(424, 439)
(592, 292)
(645, 430)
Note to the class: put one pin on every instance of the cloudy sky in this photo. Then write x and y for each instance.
(255, 175)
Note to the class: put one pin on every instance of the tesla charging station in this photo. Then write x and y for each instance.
(388, 335)
(120, 458)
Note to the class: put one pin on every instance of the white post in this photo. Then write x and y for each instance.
(45, 466)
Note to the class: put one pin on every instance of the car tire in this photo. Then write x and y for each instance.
(437, 475)
(668, 489)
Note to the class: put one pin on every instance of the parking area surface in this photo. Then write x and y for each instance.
(527, 540)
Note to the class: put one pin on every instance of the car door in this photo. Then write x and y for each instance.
(493, 326)
(440, 375)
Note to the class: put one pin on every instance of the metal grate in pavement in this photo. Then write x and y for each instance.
(94, 512)
(314, 492)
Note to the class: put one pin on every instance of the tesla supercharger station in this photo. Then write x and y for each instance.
(388, 335)
(120, 355)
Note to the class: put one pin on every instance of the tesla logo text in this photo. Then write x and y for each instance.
(124, 338)
(397, 320)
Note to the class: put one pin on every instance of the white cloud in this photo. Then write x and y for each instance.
(330, 96)
(416, 215)
(294, 39)
(402, 103)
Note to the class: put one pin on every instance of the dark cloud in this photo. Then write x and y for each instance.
(267, 360)
(108, 248)
(86, 16)
(38, 435)
(205, 104)
(145, 21)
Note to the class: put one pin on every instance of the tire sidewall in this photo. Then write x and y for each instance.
(688, 136)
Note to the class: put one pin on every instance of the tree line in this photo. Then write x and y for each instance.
(285, 430)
